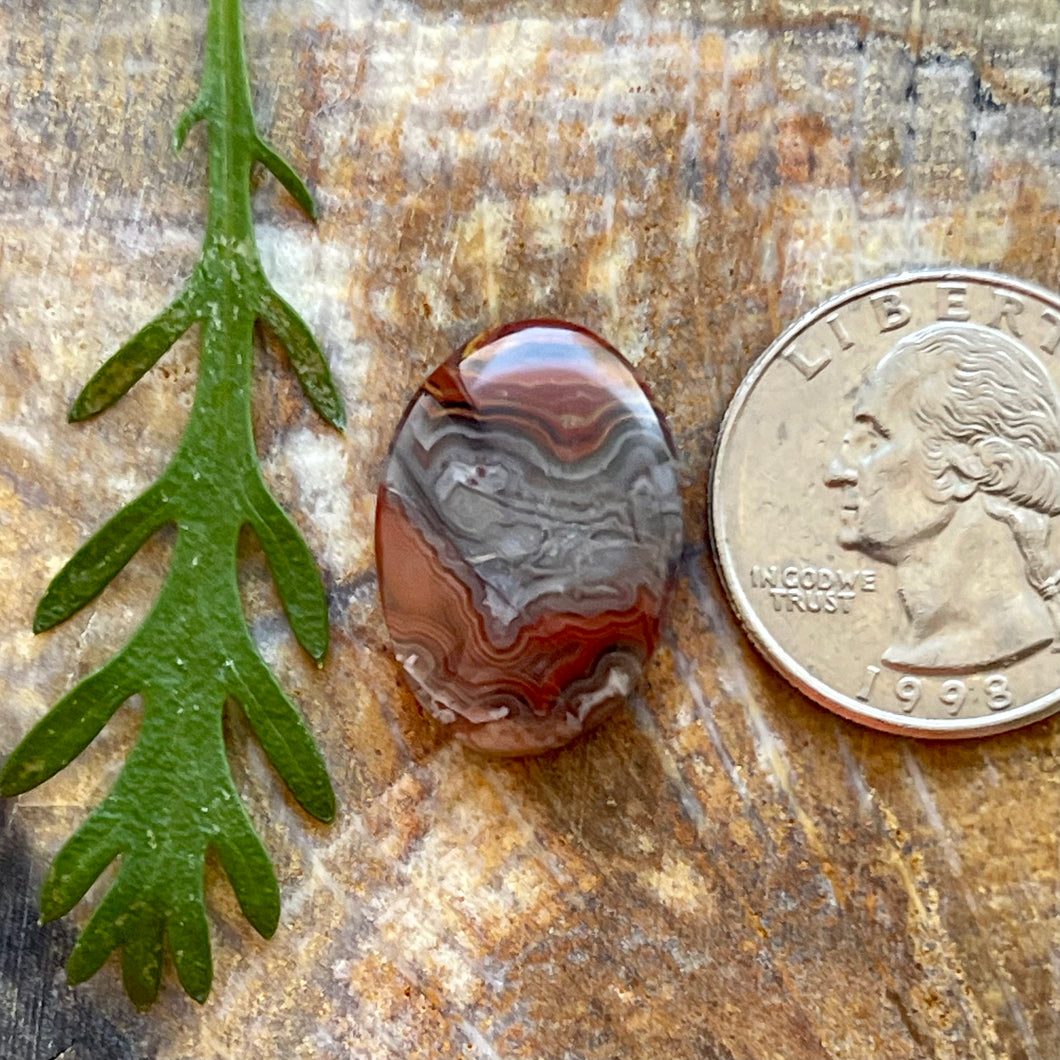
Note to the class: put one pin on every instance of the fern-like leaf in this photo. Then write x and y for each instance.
(296, 575)
(117, 915)
(97, 561)
(141, 959)
(282, 734)
(125, 368)
(189, 942)
(249, 870)
(68, 728)
(175, 798)
(191, 116)
(282, 171)
(78, 865)
(307, 358)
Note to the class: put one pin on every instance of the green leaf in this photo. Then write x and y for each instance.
(83, 857)
(107, 929)
(175, 796)
(101, 557)
(141, 959)
(68, 728)
(189, 941)
(249, 870)
(282, 734)
(307, 359)
(192, 116)
(132, 361)
(283, 172)
(297, 578)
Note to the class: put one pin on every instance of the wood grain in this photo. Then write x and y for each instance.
(724, 871)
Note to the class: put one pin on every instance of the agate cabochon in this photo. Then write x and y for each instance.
(527, 532)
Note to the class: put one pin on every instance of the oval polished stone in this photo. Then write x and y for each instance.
(527, 532)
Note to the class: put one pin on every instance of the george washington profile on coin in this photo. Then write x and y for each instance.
(950, 473)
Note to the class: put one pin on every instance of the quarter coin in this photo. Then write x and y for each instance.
(885, 503)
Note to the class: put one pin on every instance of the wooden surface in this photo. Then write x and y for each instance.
(727, 869)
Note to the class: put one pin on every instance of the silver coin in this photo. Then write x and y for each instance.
(885, 498)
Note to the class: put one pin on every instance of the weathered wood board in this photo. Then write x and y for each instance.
(726, 870)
